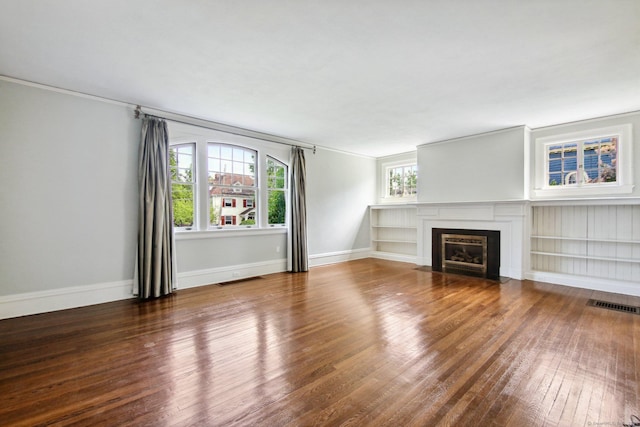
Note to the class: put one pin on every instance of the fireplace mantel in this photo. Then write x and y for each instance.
(508, 217)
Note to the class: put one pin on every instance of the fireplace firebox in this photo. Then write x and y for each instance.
(470, 252)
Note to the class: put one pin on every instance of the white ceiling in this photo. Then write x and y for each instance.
(371, 77)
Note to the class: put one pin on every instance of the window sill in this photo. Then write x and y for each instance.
(235, 232)
(601, 191)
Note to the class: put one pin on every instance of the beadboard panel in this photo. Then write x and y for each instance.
(600, 241)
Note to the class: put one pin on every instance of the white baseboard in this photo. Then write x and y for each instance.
(192, 279)
(336, 257)
(79, 296)
(60, 299)
(395, 257)
(593, 283)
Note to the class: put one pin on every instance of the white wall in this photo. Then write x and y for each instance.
(485, 167)
(68, 212)
(340, 187)
(68, 207)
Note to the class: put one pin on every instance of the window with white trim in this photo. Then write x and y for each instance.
(183, 184)
(401, 181)
(582, 162)
(232, 181)
(277, 192)
(585, 163)
(219, 184)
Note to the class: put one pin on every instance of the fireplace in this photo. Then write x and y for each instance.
(470, 252)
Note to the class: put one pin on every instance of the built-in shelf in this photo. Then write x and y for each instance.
(394, 226)
(597, 241)
(394, 232)
(599, 258)
(587, 239)
(413, 242)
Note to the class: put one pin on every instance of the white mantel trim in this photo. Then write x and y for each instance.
(508, 217)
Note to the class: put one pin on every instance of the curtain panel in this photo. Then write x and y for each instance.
(298, 234)
(155, 262)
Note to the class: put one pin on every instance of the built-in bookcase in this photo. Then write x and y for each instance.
(394, 232)
(596, 241)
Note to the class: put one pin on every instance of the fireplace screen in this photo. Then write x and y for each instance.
(464, 254)
(466, 251)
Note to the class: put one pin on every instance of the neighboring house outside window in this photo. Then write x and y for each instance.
(593, 162)
(231, 176)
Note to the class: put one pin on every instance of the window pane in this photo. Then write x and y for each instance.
(238, 168)
(276, 174)
(402, 181)
(226, 166)
(563, 164)
(181, 165)
(183, 211)
(277, 207)
(213, 150)
(600, 160)
(231, 206)
(226, 152)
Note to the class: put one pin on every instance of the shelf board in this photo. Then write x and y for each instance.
(597, 258)
(587, 239)
(407, 227)
(394, 241)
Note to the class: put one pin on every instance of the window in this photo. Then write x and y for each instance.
(232, 181)
(401, 181)
(220, 185)
(277, 191)
(584, 163)
(181, 164)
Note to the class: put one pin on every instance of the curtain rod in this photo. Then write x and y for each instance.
(225, 128)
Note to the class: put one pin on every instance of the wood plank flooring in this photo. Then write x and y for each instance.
(362, 343)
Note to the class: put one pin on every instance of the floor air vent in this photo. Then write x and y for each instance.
(231, 282)
(613, 306)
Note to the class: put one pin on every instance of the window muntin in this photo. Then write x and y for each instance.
(277, 187)
(401, 181)
(585, 162)
(232, 181)
(183, 184)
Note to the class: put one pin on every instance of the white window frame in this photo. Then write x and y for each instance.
(180, 134)
(624, 159)
(235, 187)
(193, 183)
(386, 167)
(285, 190)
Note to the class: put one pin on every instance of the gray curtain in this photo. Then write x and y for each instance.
(155, 262)
(299, 255)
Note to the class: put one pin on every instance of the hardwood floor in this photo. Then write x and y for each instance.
(368, 342)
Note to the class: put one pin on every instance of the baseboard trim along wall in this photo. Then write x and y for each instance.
(193, 279)
(28, 303)
(60, 299)
(593, 283)
(79, 296)
(336, 257)
(395, 257)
